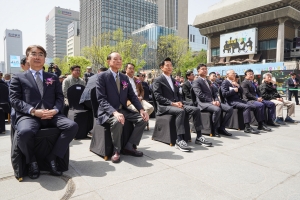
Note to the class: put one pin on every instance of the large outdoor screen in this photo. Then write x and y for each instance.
(14, 61)
(239, 43)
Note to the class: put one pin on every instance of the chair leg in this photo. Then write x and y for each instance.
(8, 118)
(105, 158)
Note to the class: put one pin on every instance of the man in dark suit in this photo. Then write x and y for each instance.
(212, 78)
(166, 94)
(187, 86)
(37, 99)
(207, 100)
(88, 74)
(113, 89)
(293, 83)
(86, 94)
(146, 87)
(251, 95)
(232, 92)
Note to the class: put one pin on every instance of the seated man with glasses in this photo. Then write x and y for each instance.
(72, 79)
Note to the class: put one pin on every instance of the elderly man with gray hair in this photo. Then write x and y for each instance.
(269, 92)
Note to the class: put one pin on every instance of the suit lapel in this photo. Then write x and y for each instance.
(113, 81)
(31, 79)
(167, 83)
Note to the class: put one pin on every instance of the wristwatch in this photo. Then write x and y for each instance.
(32, 112)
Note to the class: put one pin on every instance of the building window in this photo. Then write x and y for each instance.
(193, 38)
(267, 45)
(215, 52)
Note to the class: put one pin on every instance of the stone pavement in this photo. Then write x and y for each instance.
(245, 166)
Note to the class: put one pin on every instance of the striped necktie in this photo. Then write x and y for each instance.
(39, 83)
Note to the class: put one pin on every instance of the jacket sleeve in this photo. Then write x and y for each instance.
(198, 92)
(15, 95)
(59, 97)
(132, 97)
(225, 90)
(65, 86)
(157, 92)
(186, 90)
(246, 93)
(265, 94)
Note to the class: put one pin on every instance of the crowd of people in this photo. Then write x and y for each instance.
(38, 97)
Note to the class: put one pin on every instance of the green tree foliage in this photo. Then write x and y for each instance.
(67, 62)
(130, 50)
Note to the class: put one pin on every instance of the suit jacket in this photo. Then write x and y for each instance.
(110, 99)
(87, 76)
(164, 95)
(204, 95)
(268, 91)
(86, 95)
(24, 93)
(230, 96)
(291, 82)
(186, 89)
(146, 91)
(250, 91)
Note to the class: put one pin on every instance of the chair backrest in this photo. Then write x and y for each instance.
(194, 98)
(73, 94)
(4, 97)
(94, 102)
(221, 96)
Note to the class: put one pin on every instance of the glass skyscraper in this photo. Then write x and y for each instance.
(150, 35)
(57, 22)
(99, 16)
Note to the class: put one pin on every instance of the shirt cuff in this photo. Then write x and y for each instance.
(57, 111)
(30, 110)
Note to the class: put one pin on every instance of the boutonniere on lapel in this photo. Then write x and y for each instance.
(138, 81)
(125, 84)
(177, 84)
(49, 81)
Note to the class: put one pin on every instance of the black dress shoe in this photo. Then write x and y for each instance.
(264, 128)
(224, 132)
(216, 133)
(251, 130)
(132, 152)
(273, 124)
(33, 171)
(53, 169)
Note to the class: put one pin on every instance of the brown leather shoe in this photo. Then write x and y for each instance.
(116, 157)
(133, 152)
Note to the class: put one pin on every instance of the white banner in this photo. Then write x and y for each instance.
(238, 43)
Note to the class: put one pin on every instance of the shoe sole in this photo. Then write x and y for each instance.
(184, 150)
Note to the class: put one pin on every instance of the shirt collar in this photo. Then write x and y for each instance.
(167, 77)
(33, 71)
(114, 73)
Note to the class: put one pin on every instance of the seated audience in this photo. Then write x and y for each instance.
(187, 86)
(24, 64)
(37, 98)
(232, 92)
(146, 87)
(269, 92)
(72, 79)
(293, 84)
(208, 100)
(251, 95)
(113, 89)
(138, 90)
(88, 74)
(166, 94)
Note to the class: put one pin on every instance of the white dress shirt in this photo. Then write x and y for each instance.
(131, 80)
(169, 79)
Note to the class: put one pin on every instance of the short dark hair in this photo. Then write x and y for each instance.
(129, 64)
(248, 70)
(23, 61)
(200, 65)
(102, 69)
(292, 73)
(212, 73)
(163, 62)
(109, 56)
(188, 73)
(237, 76)
(35, 46)
(123, 71)
(74, 67)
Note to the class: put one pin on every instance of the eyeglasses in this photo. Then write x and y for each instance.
(33, 54)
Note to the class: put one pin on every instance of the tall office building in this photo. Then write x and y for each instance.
(73, 41)
(174, 14)
(197, 42)
(13, 50)
(57, 22)
(101, 16)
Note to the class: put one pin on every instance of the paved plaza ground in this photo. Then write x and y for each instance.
(245, 166)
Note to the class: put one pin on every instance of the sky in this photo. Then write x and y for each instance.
(29, 17)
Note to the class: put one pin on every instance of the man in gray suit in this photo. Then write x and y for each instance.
(86, 95)
(208, 100)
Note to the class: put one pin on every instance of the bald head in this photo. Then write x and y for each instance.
(231, 74)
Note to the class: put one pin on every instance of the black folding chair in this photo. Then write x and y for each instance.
(77, 112)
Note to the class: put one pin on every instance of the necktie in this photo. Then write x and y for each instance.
(118, 82)
(39, 83)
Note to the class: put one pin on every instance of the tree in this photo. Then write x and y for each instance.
(67, 62)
